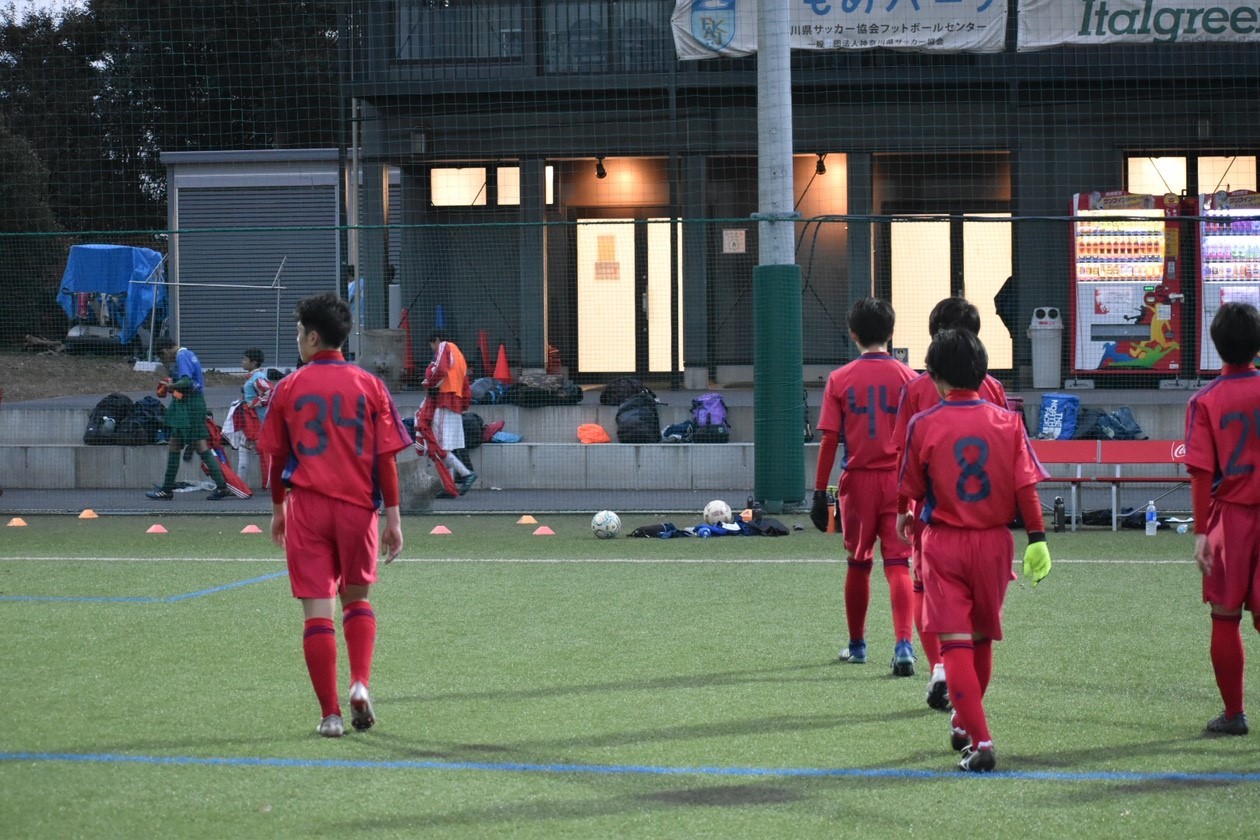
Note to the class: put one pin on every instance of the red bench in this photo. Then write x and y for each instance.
(1115, 454)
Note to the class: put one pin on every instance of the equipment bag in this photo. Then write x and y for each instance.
(143, 425)
(474, 429)
(106, 419)
(620, 390)
(638, 420)
(708, 412)
(1058, 416)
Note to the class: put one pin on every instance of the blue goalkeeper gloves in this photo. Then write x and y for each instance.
(1037, 561)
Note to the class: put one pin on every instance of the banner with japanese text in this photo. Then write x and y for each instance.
(728, 28)
(1053, 23)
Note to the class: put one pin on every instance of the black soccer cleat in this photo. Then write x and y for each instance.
(1225, 725)
(218, 494)
(978, 761)
(958, 737)
(362, 716)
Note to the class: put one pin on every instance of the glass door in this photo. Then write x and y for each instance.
(626, 321)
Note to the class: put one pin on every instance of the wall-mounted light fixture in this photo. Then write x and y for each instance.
(820, 168)
(600, 171)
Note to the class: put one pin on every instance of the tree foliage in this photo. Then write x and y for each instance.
(91, 96)
(100, 92)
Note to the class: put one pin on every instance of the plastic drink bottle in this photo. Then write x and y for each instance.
(1152, 519)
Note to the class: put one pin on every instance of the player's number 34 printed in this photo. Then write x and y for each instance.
(319, 414)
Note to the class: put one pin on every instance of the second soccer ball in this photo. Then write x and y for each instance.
(717, 512)
(605, 524)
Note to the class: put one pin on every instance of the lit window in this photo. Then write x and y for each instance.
(509, 182)
(1157, 176)
(1237, 172)
(458, 187)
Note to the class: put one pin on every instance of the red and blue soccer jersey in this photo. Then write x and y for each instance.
(1223, 434)
(920, 394)
(330, 421)
(859, 403)
(966, 458)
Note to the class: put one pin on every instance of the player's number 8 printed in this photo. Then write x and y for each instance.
(318, 424)
(972, 470)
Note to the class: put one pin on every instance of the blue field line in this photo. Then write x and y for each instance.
(214, 589)
(631, 769)
(144, 599)
(103, 599)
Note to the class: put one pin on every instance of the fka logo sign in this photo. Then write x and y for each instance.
(713, 22)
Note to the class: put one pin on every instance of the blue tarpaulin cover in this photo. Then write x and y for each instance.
(116, 270)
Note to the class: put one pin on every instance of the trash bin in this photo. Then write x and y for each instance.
(1046, 334)
(382, 352)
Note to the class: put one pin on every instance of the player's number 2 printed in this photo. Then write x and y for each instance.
(317, 424)
(973, 474)
(1250, 426)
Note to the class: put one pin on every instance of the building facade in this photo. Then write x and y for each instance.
(534, 140)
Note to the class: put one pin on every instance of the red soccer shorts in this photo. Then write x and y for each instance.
(868, 512)
(1234, 540)
(965, 576)
(329, 544)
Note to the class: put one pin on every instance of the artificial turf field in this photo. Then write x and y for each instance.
(563, 686)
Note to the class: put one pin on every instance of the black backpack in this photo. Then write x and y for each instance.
(142, 426)
(106, 420)
(638, 420)
(474, 429)
(620, 390)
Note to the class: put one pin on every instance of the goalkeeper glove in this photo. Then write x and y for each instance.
(818, 513)
(1037, 560)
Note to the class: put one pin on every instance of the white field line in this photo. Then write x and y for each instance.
(773, 561)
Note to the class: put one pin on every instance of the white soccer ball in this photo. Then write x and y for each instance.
(717, 512)
(606, 524)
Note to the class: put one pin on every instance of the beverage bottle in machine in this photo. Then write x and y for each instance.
(1152, 519)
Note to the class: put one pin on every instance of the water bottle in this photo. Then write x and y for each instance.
(1152, 519)
(1060, 515)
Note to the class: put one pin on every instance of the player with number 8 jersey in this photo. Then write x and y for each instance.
(970, 463)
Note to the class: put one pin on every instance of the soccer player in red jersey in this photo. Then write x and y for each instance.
(970, 464)
(332, 431)
(1222, 454)
(859, 407)
(951, 313)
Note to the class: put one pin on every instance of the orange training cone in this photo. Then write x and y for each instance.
(502, 372)
(527, 520)
(440, 529)
(156, 529)
(17, 522)
(543, 531)
(251, 529)
(88, 513)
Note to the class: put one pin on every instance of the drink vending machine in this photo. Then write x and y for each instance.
(1126, 283)
(1229, 262)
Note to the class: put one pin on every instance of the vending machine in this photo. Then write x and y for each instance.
(1126, 283)
(1229, 261)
